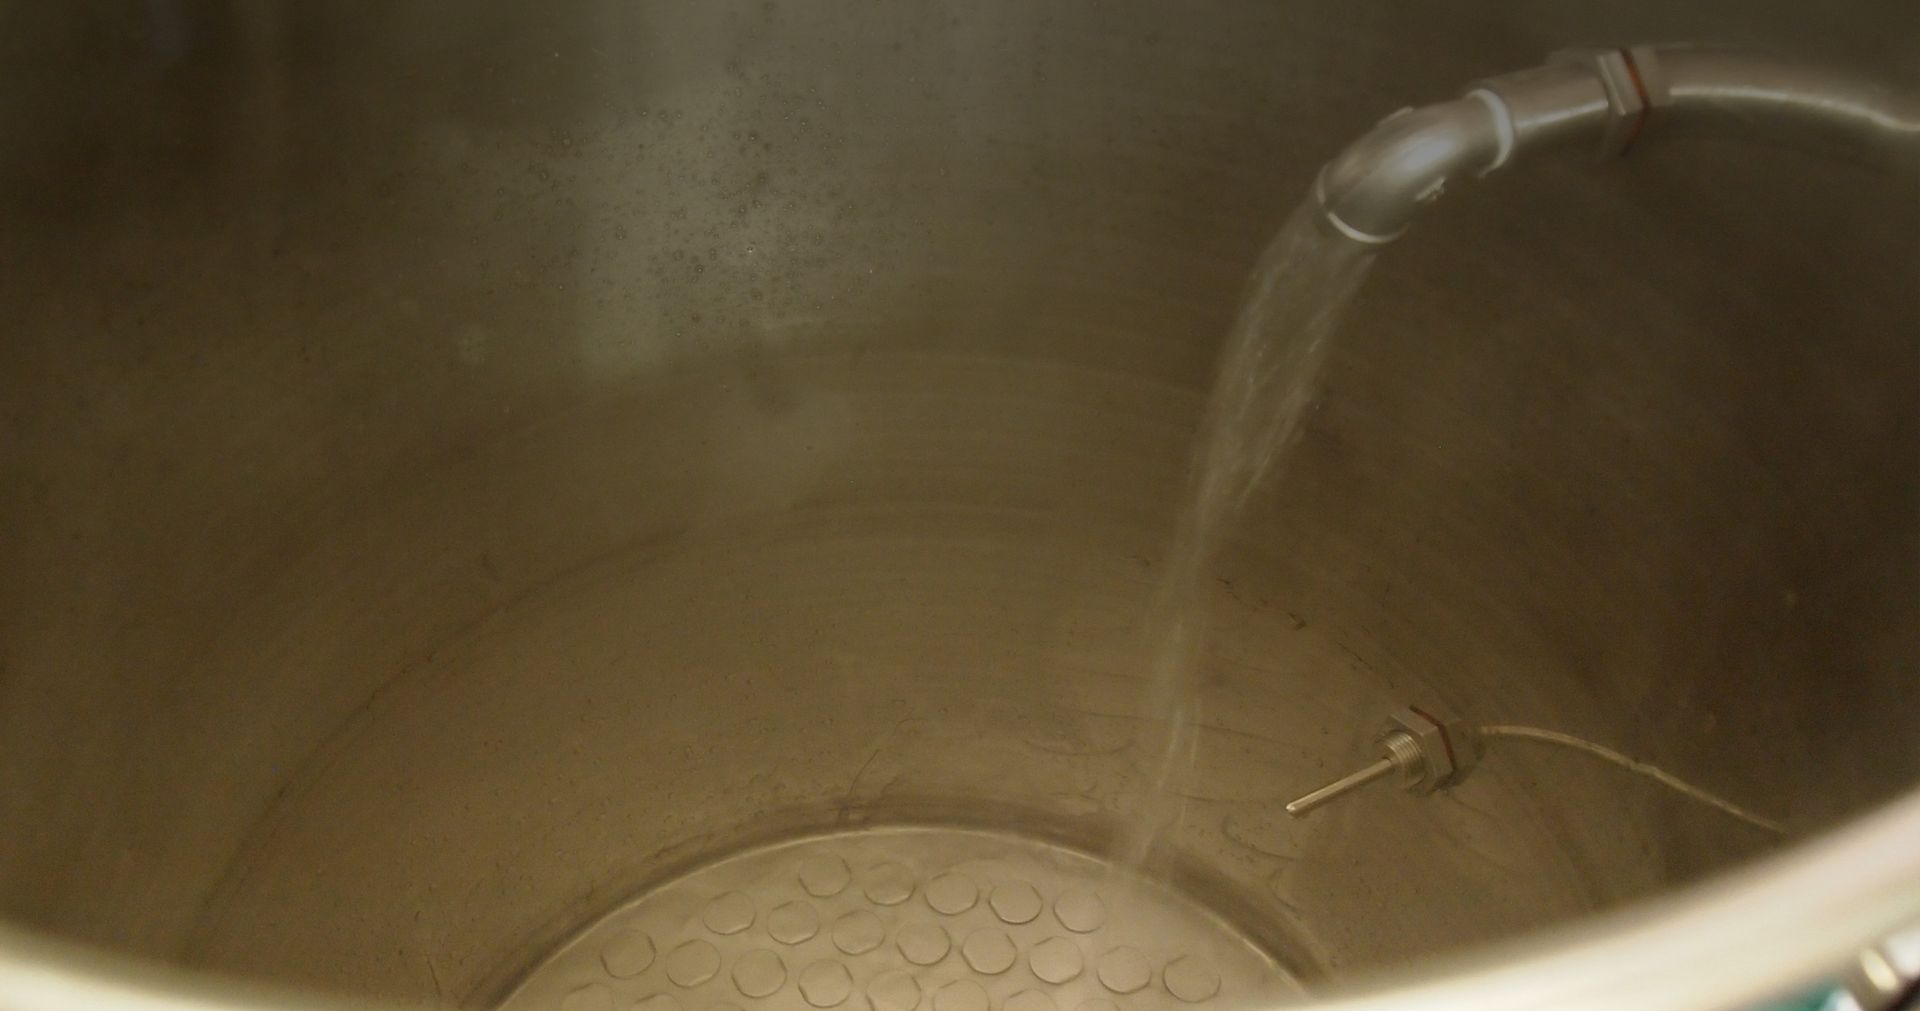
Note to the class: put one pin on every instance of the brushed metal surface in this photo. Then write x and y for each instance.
(464, 464)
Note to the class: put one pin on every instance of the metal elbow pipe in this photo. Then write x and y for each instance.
(1373, 190)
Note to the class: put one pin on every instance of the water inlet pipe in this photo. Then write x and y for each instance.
(1608, 98)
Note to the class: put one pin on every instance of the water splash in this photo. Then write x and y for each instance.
(1266, 380)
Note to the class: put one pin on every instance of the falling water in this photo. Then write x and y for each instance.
(1266, 380)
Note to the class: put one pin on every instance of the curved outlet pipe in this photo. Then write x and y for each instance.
(1372, 190)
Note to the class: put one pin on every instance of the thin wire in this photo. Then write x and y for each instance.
(1654, 773)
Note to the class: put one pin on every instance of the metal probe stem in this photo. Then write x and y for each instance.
(1339, 787)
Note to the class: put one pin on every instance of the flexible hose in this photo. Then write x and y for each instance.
(1658, 775)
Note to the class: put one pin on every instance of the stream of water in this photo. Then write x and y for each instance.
(1266, 380)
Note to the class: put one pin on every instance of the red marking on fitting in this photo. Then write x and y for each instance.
(1646, 103)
